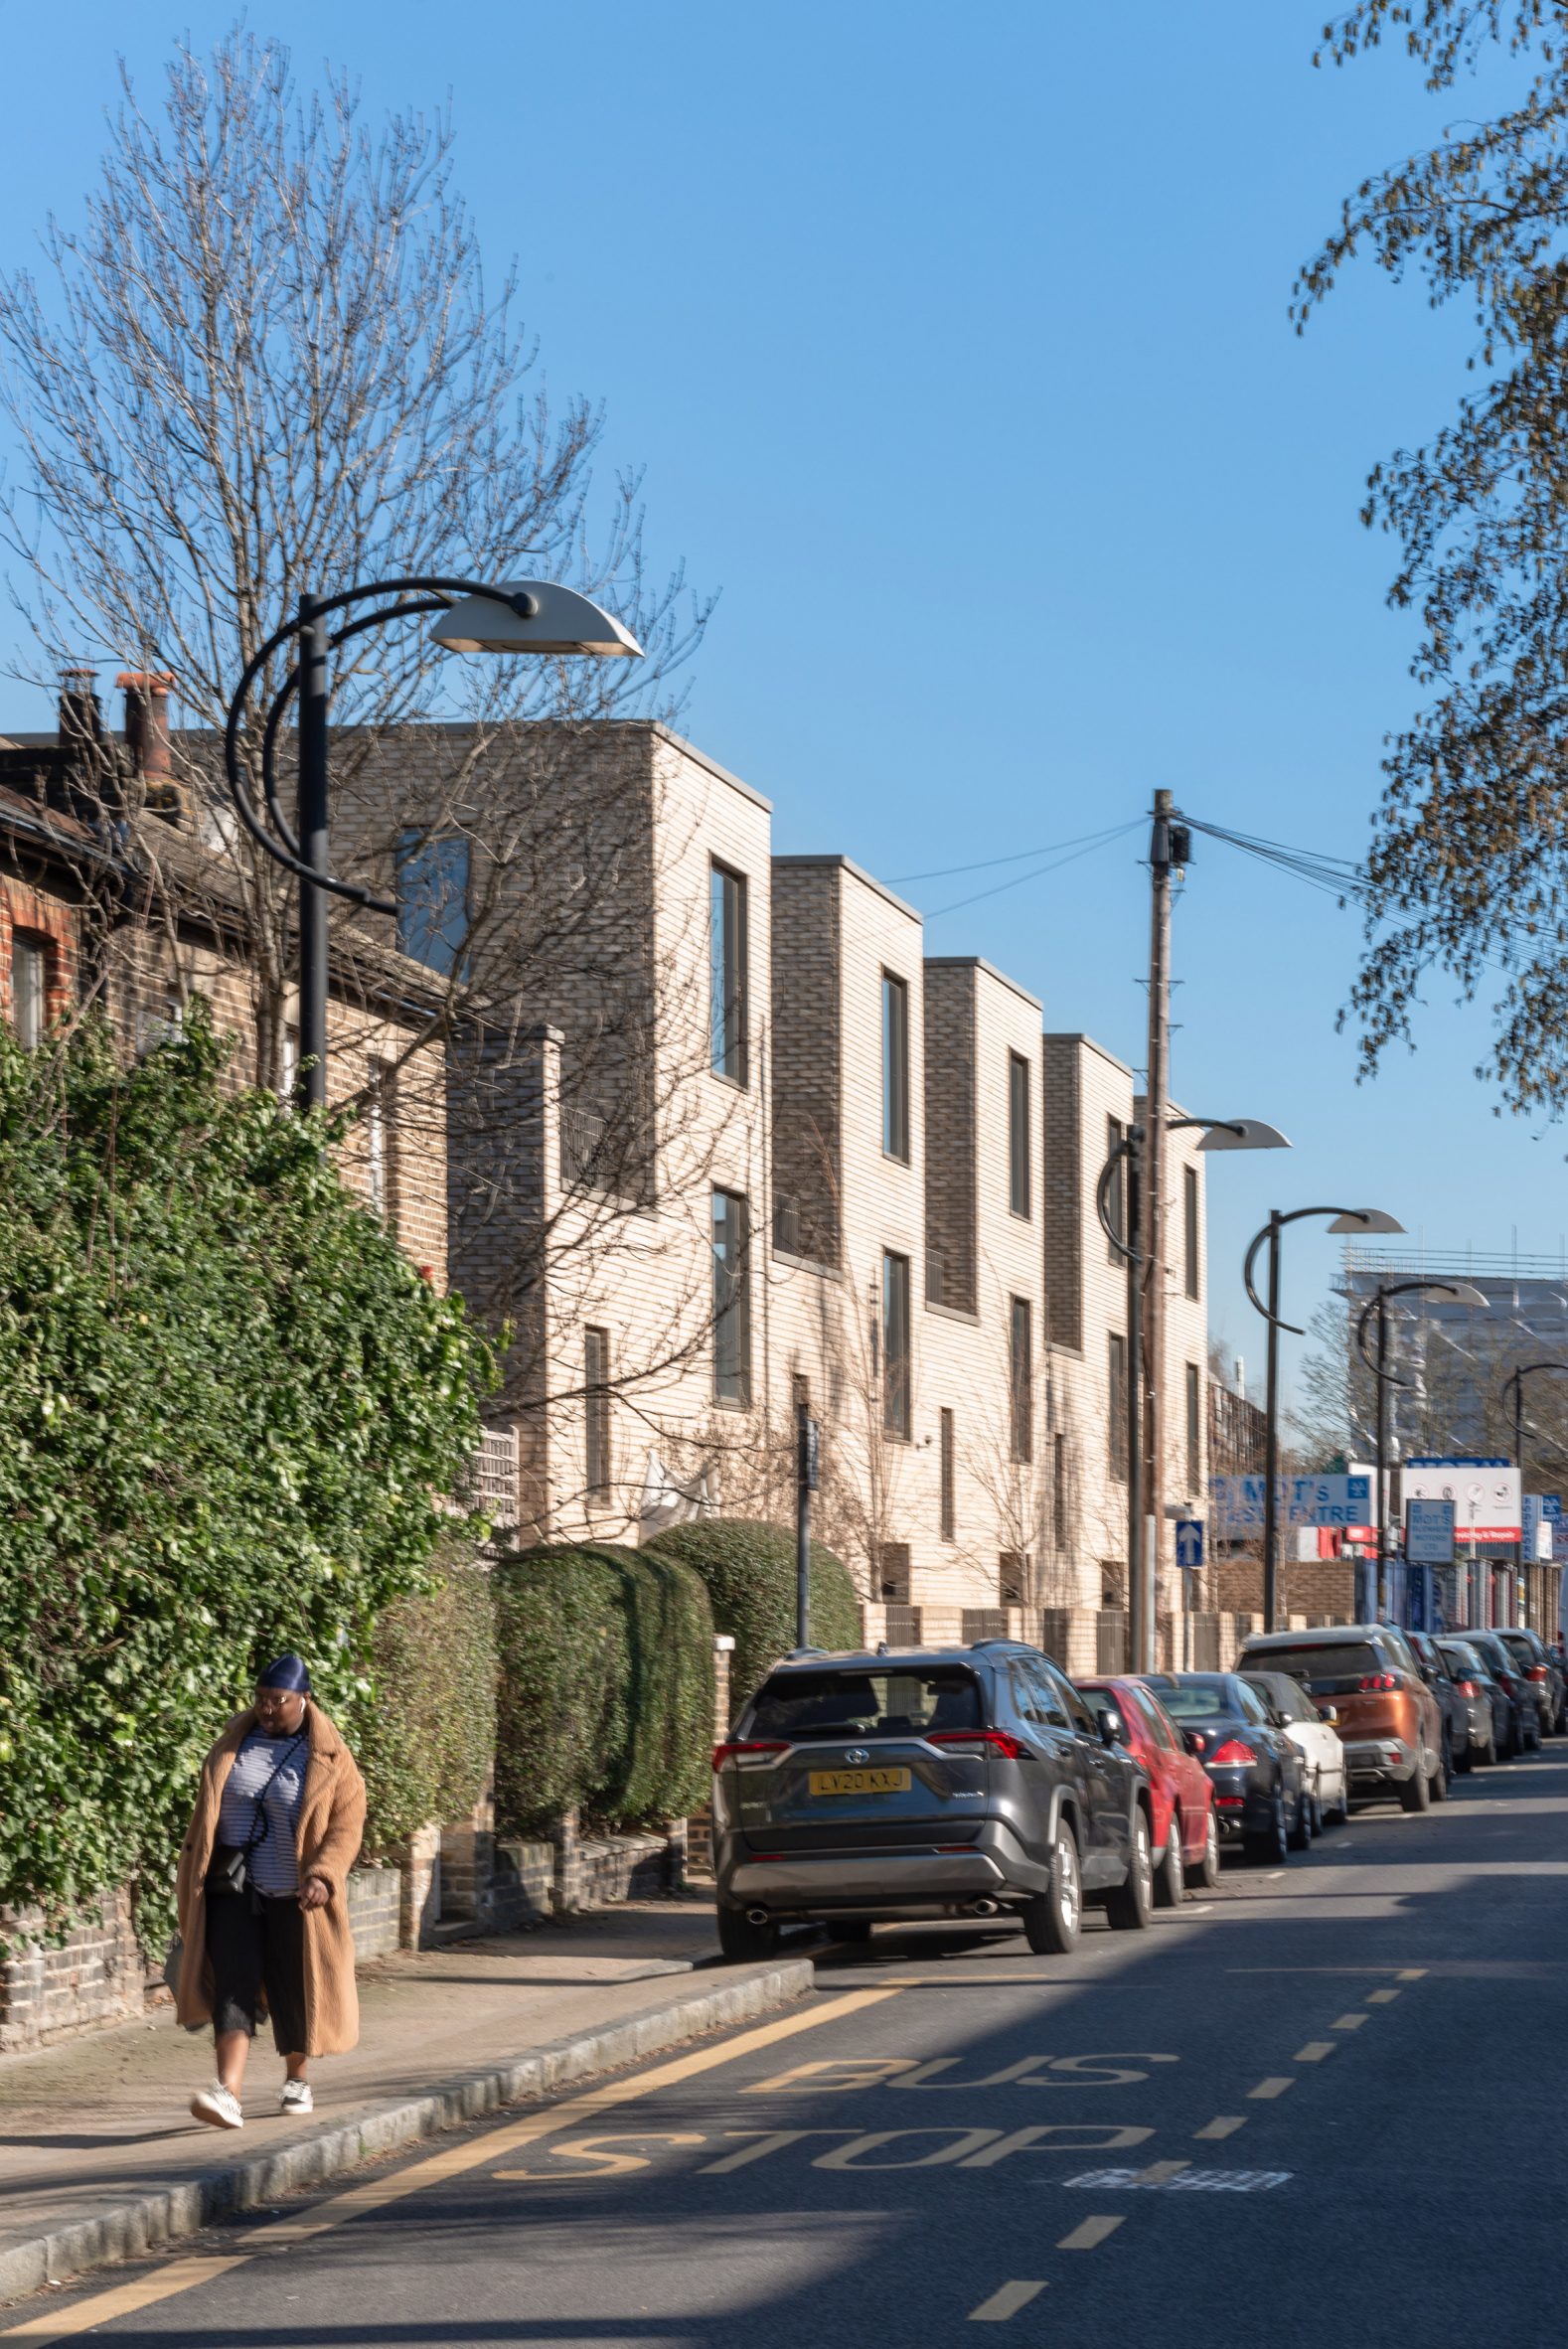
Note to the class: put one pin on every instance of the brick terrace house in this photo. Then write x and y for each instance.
(109, 898)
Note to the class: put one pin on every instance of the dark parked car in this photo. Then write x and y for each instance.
(1388, 1717)
(1261, 1797)
(1454, 1707)
(929, 1783)
(1539, 1667)
(1490, 1707)
(1525, 1730)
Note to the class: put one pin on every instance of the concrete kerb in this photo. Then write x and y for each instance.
(148, 2221)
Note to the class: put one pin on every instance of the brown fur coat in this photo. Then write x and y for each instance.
(330, 1828)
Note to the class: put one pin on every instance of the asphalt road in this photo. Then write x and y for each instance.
(1324, 2106)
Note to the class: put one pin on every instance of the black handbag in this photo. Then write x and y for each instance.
(228, 1869)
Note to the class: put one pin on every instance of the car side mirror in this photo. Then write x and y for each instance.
(1331, 1714)
(1191, 1742)
(1113, 1728)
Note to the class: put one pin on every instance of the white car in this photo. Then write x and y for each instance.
(1317, 1742)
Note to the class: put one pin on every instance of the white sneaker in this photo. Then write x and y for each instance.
(296, 2096)
(218, 2106)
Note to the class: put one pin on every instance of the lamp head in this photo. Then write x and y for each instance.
(1242, 1134)
(533, 616)
(1364, 1219)
(1460, 1293)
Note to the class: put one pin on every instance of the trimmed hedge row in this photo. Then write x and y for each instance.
(425, 1736)
(606, 1687)
(749, 1571)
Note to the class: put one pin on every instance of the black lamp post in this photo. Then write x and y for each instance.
(513, 616)
(1363, 1219)
(1516, 1381)
(1218, 1133)
(1377, 1304)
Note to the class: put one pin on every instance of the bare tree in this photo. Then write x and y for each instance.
(266, 361)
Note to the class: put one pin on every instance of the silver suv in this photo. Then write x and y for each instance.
(927, 1783)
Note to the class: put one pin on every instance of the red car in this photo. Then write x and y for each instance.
(1186, 1837)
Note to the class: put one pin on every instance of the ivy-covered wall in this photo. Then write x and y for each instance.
(228, 1408)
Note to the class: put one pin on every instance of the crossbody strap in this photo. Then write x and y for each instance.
(262, 1826)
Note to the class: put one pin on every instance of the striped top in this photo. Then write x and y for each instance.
(273, 1863)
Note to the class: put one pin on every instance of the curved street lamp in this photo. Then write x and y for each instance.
(510, 616)
(1346, 1219)
(1217, 1133)
(1462, 1292)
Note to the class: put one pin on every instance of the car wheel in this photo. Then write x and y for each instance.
(1299, 1837)
(1170, 1877)
(1053, 1920)
(1269, 1849)
(1445, 1771)
(1416, 1792)
(742, 1942)
(1488, 1752)
(847, 1928)
(1465, 1762)
(1510, 1742)
(1343, 1813)
(1130, 1904)
(1205, 1875)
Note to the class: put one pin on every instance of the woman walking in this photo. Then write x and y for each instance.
(263, 1907)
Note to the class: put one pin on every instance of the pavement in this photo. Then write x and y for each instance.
(1323, 2106)
(98, 2153)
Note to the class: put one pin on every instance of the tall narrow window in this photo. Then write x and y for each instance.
(731, 1302)
(949, 1479)
(596, 1392)
(896, 1067)
(1189, 1228)
(1017, 1134)
(1021, 1378)
(1116, 1418)
(727, 971)
(1194, 1428)
(1058, 1489)
(379, 1141)
(1116, 1202)
(432, 899)
(29, 989)
(897, 1383)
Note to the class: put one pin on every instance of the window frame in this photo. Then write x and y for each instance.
(947, 1468)
(421, 926)
(1118, 1189)
(731, 1300)
(1021, 1378)
(1021, 1169)
(1195, 1427)
(30, 950)
(1191, 1241)
(598, 1467)
(897, 1364)
(1119, 1401)
(895, 1068)
(728, 974)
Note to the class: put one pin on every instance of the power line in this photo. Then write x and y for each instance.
(1097, 840)
(1015, 856)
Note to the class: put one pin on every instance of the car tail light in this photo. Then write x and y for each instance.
(1469, 1688)
(747, 1749)
(977, 1740)
(1229, 1802)
(1378, 1680)
(1536, 1671)
(1233, 1750)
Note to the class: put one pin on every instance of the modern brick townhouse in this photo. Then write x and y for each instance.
(787, 1156)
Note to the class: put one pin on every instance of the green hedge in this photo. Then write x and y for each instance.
(749, 1570)
(425, 1734)
(229, 1406)
(606, 1692)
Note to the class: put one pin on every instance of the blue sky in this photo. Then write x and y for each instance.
(955, 346)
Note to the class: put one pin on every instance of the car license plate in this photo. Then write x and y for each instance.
(858, 1782)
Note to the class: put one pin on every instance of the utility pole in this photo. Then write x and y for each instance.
(807, 1455)
(1145, 1625)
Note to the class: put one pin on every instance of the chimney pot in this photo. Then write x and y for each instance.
(146, 694)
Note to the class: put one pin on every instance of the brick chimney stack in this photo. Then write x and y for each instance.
(79, 722)
(146, 694)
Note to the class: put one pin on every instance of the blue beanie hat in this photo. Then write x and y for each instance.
(287, 1672)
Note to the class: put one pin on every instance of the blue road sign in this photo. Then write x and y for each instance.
(1190, 1544)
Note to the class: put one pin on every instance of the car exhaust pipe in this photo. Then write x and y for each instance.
(756, 1917)
(984, 1908)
